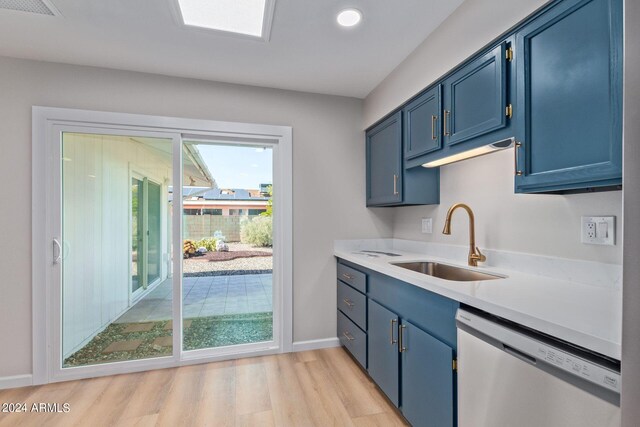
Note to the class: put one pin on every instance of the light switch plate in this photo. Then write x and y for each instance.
(427, 225)
(598, 230)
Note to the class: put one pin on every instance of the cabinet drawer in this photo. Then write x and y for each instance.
(353, 304)
(352, 277)
(353, 339)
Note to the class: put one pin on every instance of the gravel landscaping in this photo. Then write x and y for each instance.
(241, 259)
(133, 341)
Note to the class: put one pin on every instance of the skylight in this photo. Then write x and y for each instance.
(233, 16)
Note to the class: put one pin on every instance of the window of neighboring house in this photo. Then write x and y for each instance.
(237, 211)
(191, 211)
(256, 211)
(211, 211)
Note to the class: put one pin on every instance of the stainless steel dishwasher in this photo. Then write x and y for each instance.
(511, 376)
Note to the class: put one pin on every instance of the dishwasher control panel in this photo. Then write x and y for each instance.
(536, 352)
(579, 367)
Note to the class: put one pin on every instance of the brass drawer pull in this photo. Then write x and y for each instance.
(395, 184)
(516, 151)
(393, 322)
(446, 130)
(346, 276)
(433, 127)
(348, 336)
(349, 303)
(401, 346)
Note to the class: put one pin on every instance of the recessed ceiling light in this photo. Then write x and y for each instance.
(234, 16)
(349, 17)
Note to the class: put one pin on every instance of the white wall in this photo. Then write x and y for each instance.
(538, 224)
(541, 224)
(328, 175)
(631, 270)
(96, 228)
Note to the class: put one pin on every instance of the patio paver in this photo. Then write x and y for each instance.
(122, 346)
(205, 296)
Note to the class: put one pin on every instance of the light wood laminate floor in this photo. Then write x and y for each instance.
(313, 388)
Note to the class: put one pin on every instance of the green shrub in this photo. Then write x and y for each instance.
(257, 232)
(209, 244)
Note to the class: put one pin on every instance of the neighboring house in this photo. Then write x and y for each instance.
(225, 202)
(218, 210)
(116, 226)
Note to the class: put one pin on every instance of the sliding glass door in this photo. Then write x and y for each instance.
(146, 238)
(115, 291)
(162, 251)
(228, 239)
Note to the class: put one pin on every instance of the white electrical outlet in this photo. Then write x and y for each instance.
(598, 230)
(427, 225)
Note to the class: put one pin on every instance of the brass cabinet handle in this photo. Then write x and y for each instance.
(346, 276)
(401, 346)
(348, 336)
(446, 115)
(393, 322)
(516, 150)
(433, 127)
(395, 184)
(349, 303)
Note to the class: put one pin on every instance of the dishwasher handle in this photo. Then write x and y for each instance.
(519, 354)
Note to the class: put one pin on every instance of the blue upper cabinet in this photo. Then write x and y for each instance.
(569, 84)
(384, 162)
(475, 98)
(422, 125)
(389, 182)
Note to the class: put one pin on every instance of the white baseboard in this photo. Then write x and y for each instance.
(16, 381)
(316, 344)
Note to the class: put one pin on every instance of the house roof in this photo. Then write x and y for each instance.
(205, 193)
(194, 169)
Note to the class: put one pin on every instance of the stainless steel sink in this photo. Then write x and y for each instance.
(447, 272)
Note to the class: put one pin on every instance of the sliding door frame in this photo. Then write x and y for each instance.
(47, 125)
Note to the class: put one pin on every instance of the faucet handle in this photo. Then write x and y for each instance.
(479, 255)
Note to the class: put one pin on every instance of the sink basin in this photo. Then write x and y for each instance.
(447, 272)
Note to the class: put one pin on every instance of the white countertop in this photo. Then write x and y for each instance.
(584, 314)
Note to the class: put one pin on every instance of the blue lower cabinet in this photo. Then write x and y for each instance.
(407, 344)
(427, 379)
(383, 350)
(352, 338)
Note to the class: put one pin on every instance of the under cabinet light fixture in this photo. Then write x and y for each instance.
(248, 18)
(475, 152)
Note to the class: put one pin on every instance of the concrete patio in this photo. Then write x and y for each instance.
(206, 296)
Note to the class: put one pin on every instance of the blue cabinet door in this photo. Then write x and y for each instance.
(384, 162)
(569, 84)
(427, 379)
(382, 349)
(475, 98)
(422, 124)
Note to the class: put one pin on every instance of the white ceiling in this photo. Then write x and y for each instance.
(307, 51)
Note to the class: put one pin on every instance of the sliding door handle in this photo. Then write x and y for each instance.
(57, 251)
